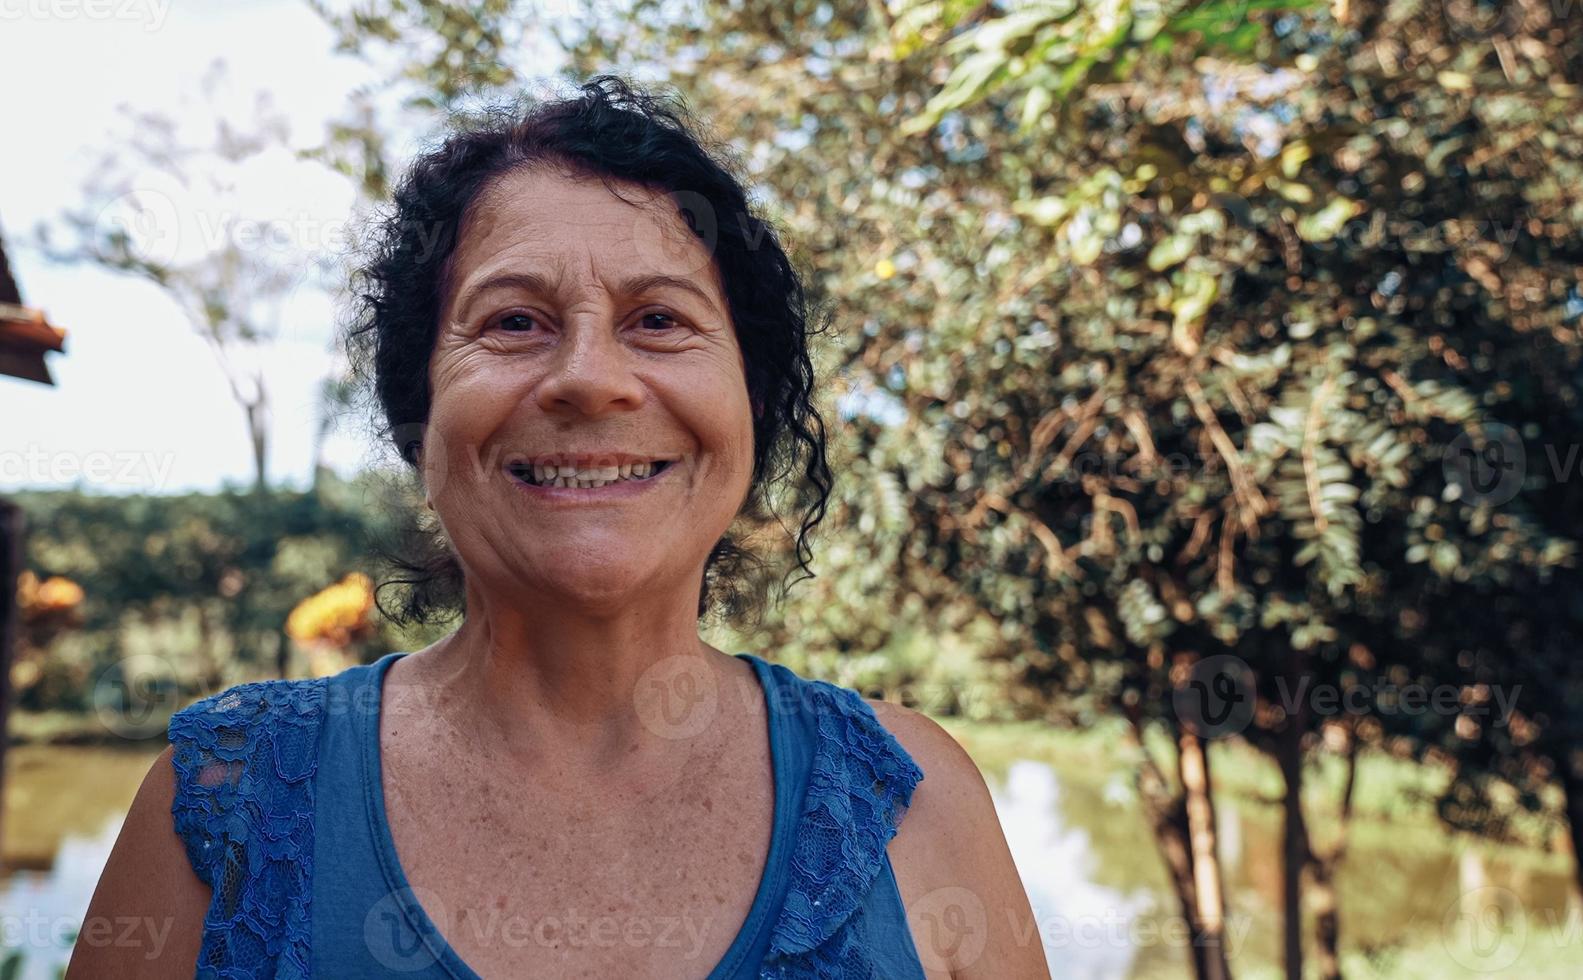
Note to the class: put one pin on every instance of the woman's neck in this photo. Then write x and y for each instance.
(561, 693)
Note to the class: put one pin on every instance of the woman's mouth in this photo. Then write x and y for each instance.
(586, 477)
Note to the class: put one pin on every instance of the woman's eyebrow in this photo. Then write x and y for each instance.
(656, 281)
(533, 282)
(529, 281)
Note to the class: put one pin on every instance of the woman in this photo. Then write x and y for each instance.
(596, 357)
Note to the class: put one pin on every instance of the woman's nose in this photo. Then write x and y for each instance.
(590, 371)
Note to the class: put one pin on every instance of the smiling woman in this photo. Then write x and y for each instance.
(595, 357)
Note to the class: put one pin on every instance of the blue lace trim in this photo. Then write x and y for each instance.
(859, 790)
(245, 760)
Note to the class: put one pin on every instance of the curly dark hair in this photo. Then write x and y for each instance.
(613, 131)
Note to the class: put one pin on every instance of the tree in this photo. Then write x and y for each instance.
(1176, 338)
(176, 215)
(1312, 279)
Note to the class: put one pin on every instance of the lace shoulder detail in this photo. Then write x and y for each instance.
(245, 760)
(858, 791)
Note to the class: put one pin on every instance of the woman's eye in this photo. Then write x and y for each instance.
(515, 322)
(668, 321)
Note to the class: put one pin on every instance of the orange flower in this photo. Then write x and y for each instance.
(54, 594)
(336, 616)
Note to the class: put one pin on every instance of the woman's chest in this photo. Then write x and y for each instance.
(592, 880)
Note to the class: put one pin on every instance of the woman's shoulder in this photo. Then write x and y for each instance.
(260, 705)
(957, 793)
(955, 801)
(952, 856)
(252, 700)
(229, 725)
(891, 737)
(860, 781)
(251, 742)
(244, 759)
(850, 733)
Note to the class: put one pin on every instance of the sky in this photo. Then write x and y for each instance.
(140, 403)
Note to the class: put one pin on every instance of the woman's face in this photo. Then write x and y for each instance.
(584, 333)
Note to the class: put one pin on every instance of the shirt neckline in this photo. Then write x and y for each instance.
(770, 877)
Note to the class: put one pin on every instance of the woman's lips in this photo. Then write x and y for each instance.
(610, 492)
(546, 475)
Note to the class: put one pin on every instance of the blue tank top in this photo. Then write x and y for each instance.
(280, 806)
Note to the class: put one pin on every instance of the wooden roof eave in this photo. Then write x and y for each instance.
(25, 337)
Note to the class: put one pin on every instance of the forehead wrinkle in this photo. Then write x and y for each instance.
(494, 208)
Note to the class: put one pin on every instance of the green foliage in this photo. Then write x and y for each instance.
(1048, 49)
(1268, 302)
(473, 39)
(203, 582)
(1168, 323)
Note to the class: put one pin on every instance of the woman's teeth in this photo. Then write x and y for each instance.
(591, 477)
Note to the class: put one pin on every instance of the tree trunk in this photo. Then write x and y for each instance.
(1327, 905)
(1327, 923)
(258, 436)
(1198, 796)
(1295, 852)
(1168, 815)
(1569, 766)
(13, 526)
(212, 674)
(1168, 820)
(1298, 858)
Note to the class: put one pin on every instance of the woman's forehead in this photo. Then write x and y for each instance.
(536, 206)
(560, 228)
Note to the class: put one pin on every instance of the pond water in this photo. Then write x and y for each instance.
(1412, 904)
(43, 910)
(1101, 899)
